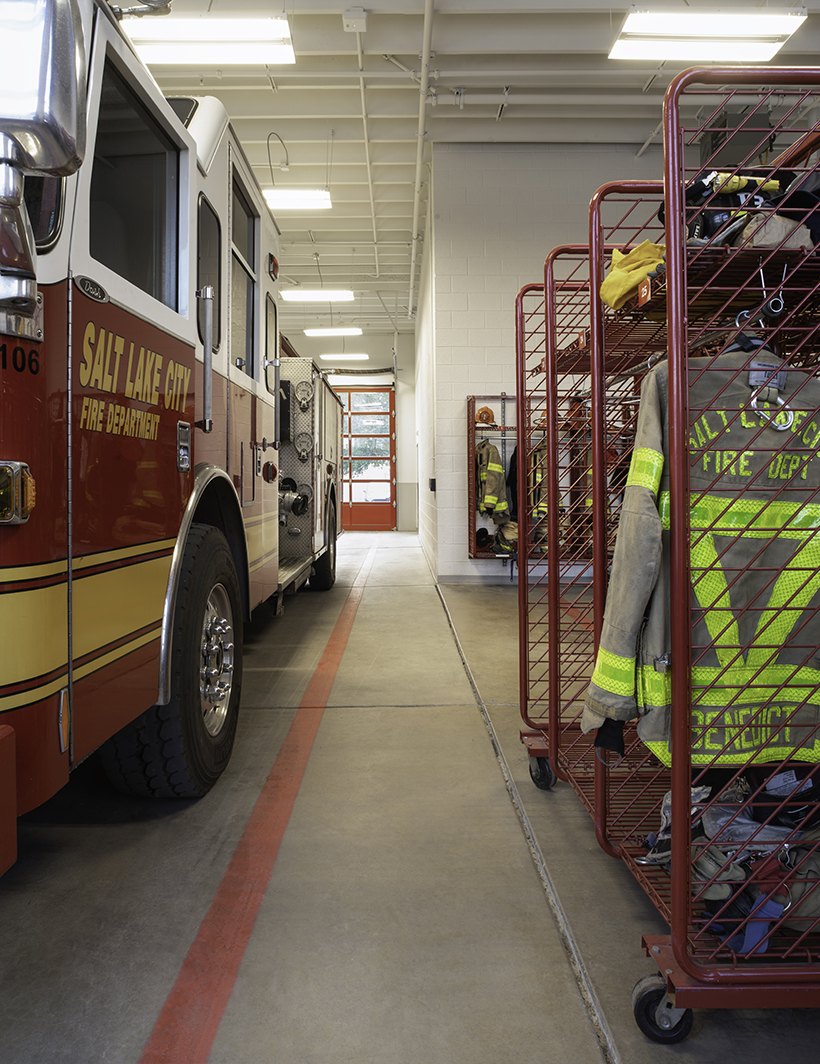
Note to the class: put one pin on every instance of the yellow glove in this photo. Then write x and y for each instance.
(737, 183)
(627, 272)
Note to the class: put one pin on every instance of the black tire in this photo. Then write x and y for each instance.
(323, 576)
(541, 773)
(180, 750)
(646, 996)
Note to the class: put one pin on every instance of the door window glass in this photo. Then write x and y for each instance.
(209, 257)
(44, 201)
(243, 281)
(370, 401)
(371, 447)
(134, 193)
(371, 469)
(371, 424)
(271, 344)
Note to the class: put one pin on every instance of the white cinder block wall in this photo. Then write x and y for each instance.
(425, 405)
(497, 210)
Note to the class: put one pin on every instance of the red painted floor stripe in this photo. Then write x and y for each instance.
(187, 1025)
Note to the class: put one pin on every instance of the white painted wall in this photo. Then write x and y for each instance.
(497, 211)
(426, 408)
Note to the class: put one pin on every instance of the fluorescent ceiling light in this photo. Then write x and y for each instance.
(317, 295)
(298, 199)
(344, 358)
(709, 37)
(211, 41)
(350, 330)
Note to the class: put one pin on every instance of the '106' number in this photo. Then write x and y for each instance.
(19, 360)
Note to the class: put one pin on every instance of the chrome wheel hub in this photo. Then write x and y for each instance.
(217, 660)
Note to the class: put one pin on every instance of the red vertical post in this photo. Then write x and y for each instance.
(522, 439)
(676, 324)
(553, 531)
(597, 250)
(8, 798)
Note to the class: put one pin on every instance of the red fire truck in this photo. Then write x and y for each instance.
(162, 473)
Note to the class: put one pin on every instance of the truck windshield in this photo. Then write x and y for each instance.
(43, 196)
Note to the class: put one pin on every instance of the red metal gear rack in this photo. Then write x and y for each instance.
(730, 116)
(709, 117)
(625, 343)
(562, 608)
(553, 442)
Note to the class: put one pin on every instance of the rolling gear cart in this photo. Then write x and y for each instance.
(555, 540)
(714, 804)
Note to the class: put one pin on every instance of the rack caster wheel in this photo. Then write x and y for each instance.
(655, 1014)
(541, 773)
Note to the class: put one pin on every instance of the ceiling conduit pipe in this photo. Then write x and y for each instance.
(543, 99)
(461, 99)
(415, 236)
(367, 154)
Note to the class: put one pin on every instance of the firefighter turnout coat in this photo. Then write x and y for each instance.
(754, 530)
(491, 484)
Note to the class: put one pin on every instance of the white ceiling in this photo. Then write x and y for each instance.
(349, 112)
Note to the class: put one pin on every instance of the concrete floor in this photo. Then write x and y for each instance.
(405, 921)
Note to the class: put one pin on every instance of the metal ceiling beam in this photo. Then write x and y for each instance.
(423, 86)
(389, 104)
(236, 81)
(367, 155)
(553, 128)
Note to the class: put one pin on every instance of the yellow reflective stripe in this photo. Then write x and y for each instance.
(664, 510)
(747, 517)
(712, 592)
(614, 673)
(763, 757)
(645, 469)
(495, 467)
(792, 593)
(742, 684)
(654, 688)
(793, 590)
(662, 752)
(760, 519)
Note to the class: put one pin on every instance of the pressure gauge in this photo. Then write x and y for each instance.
(304, 445)
(304, 393)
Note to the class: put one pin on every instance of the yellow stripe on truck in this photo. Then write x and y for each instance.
(34, 637)
(112, 605)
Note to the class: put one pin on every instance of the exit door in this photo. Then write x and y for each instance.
(369, 459)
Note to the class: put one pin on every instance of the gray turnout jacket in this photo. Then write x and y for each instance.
(754, 517)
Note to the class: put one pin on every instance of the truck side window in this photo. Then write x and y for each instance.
(209, 258)
(243, 280)
(271, 344)
(44, 202)
(134, 193)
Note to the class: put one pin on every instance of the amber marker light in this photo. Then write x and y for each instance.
(17, 493)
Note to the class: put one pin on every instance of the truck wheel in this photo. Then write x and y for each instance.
(180, 750)
(324, 571)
